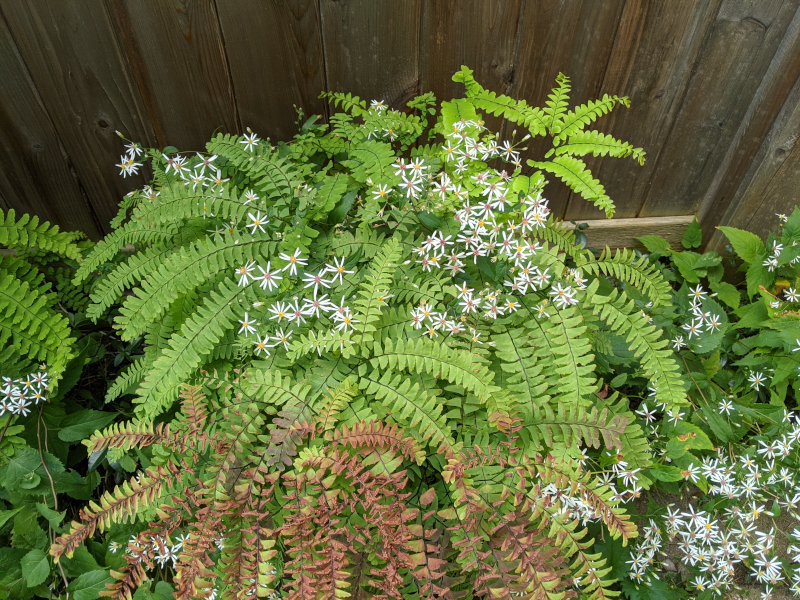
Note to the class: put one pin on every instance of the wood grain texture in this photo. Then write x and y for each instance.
(770, 185)
(733, 59)
(274, 49)
(35, 173)
(622, 233)
(651, 60)
(372, 48)
(573, 37)
(481, 34)
(177, 56)
(72, 54)
(755, 127)
(707, 80)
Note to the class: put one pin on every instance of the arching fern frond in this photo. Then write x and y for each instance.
(621, 314)
(637, 272)
(118, 506)
(196, 339)
(27, 232)
(30, 328)
(573, 172)
(597, 144)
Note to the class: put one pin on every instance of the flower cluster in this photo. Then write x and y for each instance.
(703, 321)
(18, 395)
(771, 262)
(298, 310)
(127, 162)
(751, 488)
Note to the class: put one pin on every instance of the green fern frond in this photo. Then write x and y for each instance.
(637, 272)
(371, 159)
(349, 102)
(374, 289)
(185, 269)
(128, 379)
(411, 404)
(522, 371)
(572, 360)
(332, 404)
(573, 172)
(516, 111)
(127, 274)
(597, 144)
(572, 425)
(196, 339)
(27, 232)
(644, 340)
(424, 355)
(31, 327)
(556, 104)
(578, 118)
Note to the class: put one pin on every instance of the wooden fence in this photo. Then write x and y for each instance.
(714, 86)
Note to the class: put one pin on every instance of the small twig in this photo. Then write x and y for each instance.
(52, 487)
(41, 457)
(3, 434)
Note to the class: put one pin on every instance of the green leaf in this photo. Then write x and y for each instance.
(758, 275)
(81, 562)
(747, 245)
(655, 589)
(791, 230)
(655, 243)
(685, 261)
(80, 425)
(53, 517)
(619, 380)
(664, 473)
(5, 515)
(693, 236)
(162, 591)
(35, 567)
(341, 209)
(686, 436)
(727, 293)
(89, 585)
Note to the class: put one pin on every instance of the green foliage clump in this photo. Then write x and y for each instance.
(386, 358)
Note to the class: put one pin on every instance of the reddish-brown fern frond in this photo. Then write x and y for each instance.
(193, 407)
(247, 555)
(128, 579)
(140, 554)
(194, 577)
(126, 436)
(378, 435)
(288, 428)
(118, 506)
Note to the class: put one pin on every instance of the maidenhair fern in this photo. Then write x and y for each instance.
(388, 359)
(33, 329)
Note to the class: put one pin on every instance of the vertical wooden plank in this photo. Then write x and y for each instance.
(72, 54)
(35, 174)
(733, 59)
(651, 61)
(574, 37)
(372, 48)
(177, 56)
(770, 184)
(274, 50)
(756, 125)
(481, 34)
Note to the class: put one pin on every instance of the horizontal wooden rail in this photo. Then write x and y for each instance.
(622, 233)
